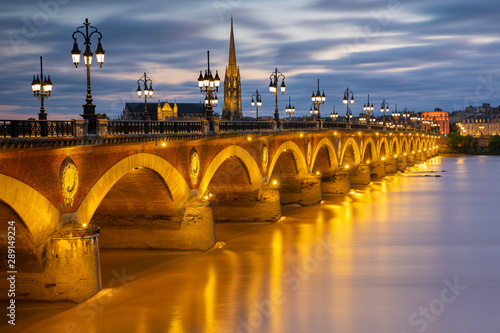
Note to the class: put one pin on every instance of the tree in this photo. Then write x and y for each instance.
(462, 144)
(494, 144)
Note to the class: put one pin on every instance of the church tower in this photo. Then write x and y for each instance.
(232, 84)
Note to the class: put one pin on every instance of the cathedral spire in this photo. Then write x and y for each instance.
(232, 52)
(232, 83)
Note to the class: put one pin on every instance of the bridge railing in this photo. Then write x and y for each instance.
(120, 127)
(245, 126)
(36, 128)
(332, 125)
(299, 125)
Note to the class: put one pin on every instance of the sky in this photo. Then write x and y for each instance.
(418, 54)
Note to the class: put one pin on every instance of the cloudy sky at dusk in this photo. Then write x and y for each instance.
(421, 54)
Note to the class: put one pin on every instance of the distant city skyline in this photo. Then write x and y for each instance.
(420, 55)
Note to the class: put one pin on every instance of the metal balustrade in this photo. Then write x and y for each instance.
(245, 126)
(124, 127)
(299, 125)
(36, 128)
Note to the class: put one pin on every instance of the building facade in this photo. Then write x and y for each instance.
(157, 111)
(232, 84)
(439, 118)
(480, 125)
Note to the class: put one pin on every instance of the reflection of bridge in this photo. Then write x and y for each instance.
(164, 191)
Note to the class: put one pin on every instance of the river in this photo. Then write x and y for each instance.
(416, 252)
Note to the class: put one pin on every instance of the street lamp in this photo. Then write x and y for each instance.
(414, 119)
(406, 114)
(41, 90)
(209, 86)
(273, 88)
(395, 115)
(88, 108)
(148, 92)
(384, 108)
(317, 100)
(334, 115)
(290, 109)
(348, 93)
(258, 97)
(367, 109)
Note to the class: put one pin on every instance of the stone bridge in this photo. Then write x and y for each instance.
(166, 193)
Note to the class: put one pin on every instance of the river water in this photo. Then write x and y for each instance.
(416, 252)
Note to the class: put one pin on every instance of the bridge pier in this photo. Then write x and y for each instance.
(265, 207)
(377, 170)
(391, 165)
(338, 182)
(410, 159)
(71, 269)
(192, 231)
(361, 174)
(428, 154)
(310, 192)
(401, 163)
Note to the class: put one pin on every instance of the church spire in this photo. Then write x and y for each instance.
(232, 68)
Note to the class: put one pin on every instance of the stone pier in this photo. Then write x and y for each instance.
(70, 267)
(377, 169)
(361, 174)
(309, 194)
(337, 182)
(391, 165)
(401, 163)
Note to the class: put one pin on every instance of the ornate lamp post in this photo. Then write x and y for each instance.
(273, 88)
(258, 97)
(148, 92)
(290, 109)
(384, 108)
(333, 114)
(209, 86)
(348, 93)
(318, 100)
(396, 115)
(414, 119)
(88, 108)
(406, 114)
(41, 90)
(368, 109)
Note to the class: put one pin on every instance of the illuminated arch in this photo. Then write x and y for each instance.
(398, 147)
(39, 215)
(297, 154)
(331, 152)
(383, 143)
(404, 145)
(177, 185)
(244, 156)
(355, 147)
(370, 143)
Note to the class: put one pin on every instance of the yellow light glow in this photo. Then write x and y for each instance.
(413, 152)
(376, 133)
(284, 149)
(367, 162)
(334, 133)
(318, 173)
(163, 144)
(346, 166)
(404, 154)
(275, 182)
(390, 133)
(206, 197)
(395, 156)
(84, 225)
(301, 135)
(249, 139)
(359, 133)
(383, 158)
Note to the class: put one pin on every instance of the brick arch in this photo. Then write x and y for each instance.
(411, 145)
(254, 174)
(39, 215)
(177, 185)
(351, 143)
(383, 142)
(297, 154)
(370, 144)
(398, 146)
(404, 145)
(325, 142)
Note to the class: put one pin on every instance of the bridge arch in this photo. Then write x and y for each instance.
(383, 149)
(252, 168)
(395, 147)
(177, 185)
(404, 145)
(327, 143)
(350, 144)
(369, 150)
(297, 154)
(40, 216)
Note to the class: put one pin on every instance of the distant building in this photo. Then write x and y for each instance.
(481, 125)
(441, 118)
(157, 111)
(232, 84)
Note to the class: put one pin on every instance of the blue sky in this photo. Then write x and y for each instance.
(421, 54)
